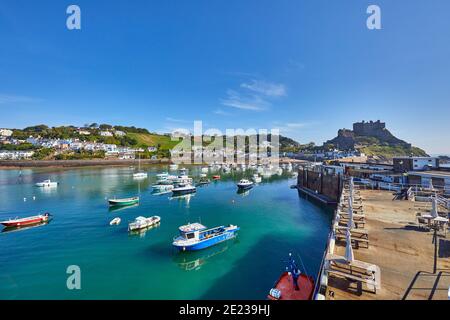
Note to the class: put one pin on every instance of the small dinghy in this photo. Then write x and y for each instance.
(142, 223)
(115, 222)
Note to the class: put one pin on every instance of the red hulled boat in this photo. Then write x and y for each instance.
(12, 223)
(293, 285)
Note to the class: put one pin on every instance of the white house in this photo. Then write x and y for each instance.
(152, 149)
(106, 134)
(119, 133)
(6, 132)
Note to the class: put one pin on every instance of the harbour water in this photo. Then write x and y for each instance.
(273, 218)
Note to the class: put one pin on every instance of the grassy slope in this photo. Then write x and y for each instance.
(392, 151)
(153, 140)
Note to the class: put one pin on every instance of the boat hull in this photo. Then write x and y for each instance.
(286, 287)
(208, 242)
(245, 187)
(28, 222)
(122, 203)
(183, 192)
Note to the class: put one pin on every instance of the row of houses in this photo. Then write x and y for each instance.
(15, 155)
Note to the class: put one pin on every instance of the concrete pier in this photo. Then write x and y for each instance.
(414, 262)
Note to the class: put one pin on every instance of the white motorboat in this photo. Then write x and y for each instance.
(256, 178)
(47, 184)
(115, 222)
(162, 176)
(173, 167)
(182, 189)
(205, 170)
(142, 222)
(245, 184)
(140, 175)
(183, 179)
(163, 187)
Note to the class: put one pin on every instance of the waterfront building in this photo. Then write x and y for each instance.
(405, 164)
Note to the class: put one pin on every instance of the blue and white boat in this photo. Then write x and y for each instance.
(195, 236)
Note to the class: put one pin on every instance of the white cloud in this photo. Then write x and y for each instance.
(169, 119)
(220, 112)
(292, 127)
(248, 102)
(265, 88)
(6, 98)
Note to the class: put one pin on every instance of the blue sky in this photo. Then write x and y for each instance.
(305, 67)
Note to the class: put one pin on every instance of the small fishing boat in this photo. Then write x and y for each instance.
(162, 176)
(165, 187)
(47, 184)
(142, 222)
(293, 284)
(140, 174)
(123, 202)
(216, 177)
(183, 179)
(205, 170)
(115, 222)
(173, 167)
(256, 178)
(195, 236)
(245, 184)
(18, 222)
(203, 181)
(181, 189)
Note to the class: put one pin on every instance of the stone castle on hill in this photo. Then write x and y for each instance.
(366, 133)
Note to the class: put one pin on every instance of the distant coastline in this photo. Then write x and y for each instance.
(15, 164)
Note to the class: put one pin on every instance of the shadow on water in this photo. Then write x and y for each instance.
(193, 261)
(258, 271)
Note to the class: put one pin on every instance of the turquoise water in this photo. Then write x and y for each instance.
(274, 221)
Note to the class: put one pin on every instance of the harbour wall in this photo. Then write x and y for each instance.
(327, 187)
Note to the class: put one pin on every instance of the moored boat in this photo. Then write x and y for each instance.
(257, 178)
(47, 184)
(181, 189)
(18, 222)
(142, 222)
(115, 221)
(245, 184)
(216, 177)
(140, 175)
(203, 181)
(195, 236)
(292, 284)
(123, 201)
(173, 167)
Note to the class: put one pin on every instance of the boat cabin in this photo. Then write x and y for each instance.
(197, 231)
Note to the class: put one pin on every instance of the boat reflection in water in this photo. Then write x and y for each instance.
(243, 193)
(194, 260)
(119, 208)
(183, 198)
(15, 229)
